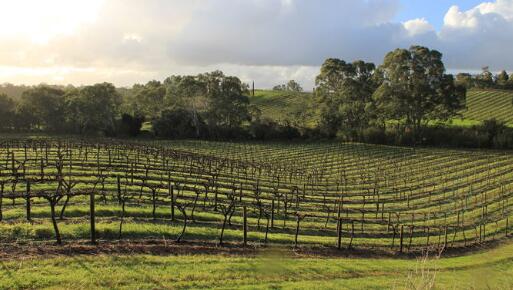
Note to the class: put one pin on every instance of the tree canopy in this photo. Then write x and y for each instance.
(416, 90)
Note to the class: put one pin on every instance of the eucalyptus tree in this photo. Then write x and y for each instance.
(147, 100)
(43, 108)
(93, 108)
(416, 89)
(7, 112)
(344, 91)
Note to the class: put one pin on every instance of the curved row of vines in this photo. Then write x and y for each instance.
(333, 195)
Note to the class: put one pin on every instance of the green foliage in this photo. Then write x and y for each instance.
(344, 91)
(416, 89)
(290, 86)
(130, 125)
(177, 123)
(147, 100)
(42, 108)
(93, 109)
(485, 79)
(492, 128)
(7, 112)
(214, 98)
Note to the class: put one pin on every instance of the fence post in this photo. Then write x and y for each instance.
(298, 219)
(339, 234)
(171, 192)
(245, 225)
(401, 239)
(507, 225)
(92, 217)
(119, 189)
(272, 213)
(28, 201)
(1, 200)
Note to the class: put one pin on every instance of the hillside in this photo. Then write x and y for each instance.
(481, 105)
(280, 105)
(487, 104)
(219, 198)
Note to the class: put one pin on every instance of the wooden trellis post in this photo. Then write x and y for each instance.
(245, 225)
(92, 217)
(172, 195)
(339, 233)
(28, 201)
(401, 239)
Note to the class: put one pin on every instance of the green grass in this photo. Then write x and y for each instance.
(491, 269)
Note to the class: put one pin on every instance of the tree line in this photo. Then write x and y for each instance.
(486, 80)
(407, 100)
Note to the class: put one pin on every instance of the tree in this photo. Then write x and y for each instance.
(93, 108)
(7, 112)
(187, 93)
(175, 123)
(492, 128)
(291, 86)
(465, 80)
(130, 125)
(485, 79)
(416, 89)
(227, 104)
(147, 100)
(502, 79)
(280, 87)
(345, 92)
(43, 107)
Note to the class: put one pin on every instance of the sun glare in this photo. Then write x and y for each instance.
(40, 21)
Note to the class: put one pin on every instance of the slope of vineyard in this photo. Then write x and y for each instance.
(487, 104)
(481, 105)
(279, 105)
(335, 195)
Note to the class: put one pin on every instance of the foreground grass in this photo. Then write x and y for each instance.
(492, 269)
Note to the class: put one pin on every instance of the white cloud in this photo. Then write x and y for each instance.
(418, 26)
(269, 41)
(456, 18)
(501, 7)
(478, 37)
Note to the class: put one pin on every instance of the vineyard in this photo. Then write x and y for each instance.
(480, 105)
(487, 104)
(336, 195)
(280, 105)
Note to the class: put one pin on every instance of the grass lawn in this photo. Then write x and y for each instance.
(491, 269)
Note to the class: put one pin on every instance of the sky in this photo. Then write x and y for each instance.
(432, 10)
(266, 41)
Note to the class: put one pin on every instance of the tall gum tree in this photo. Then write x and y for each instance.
(415, 89)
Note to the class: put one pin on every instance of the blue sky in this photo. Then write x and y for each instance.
(432, 10)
